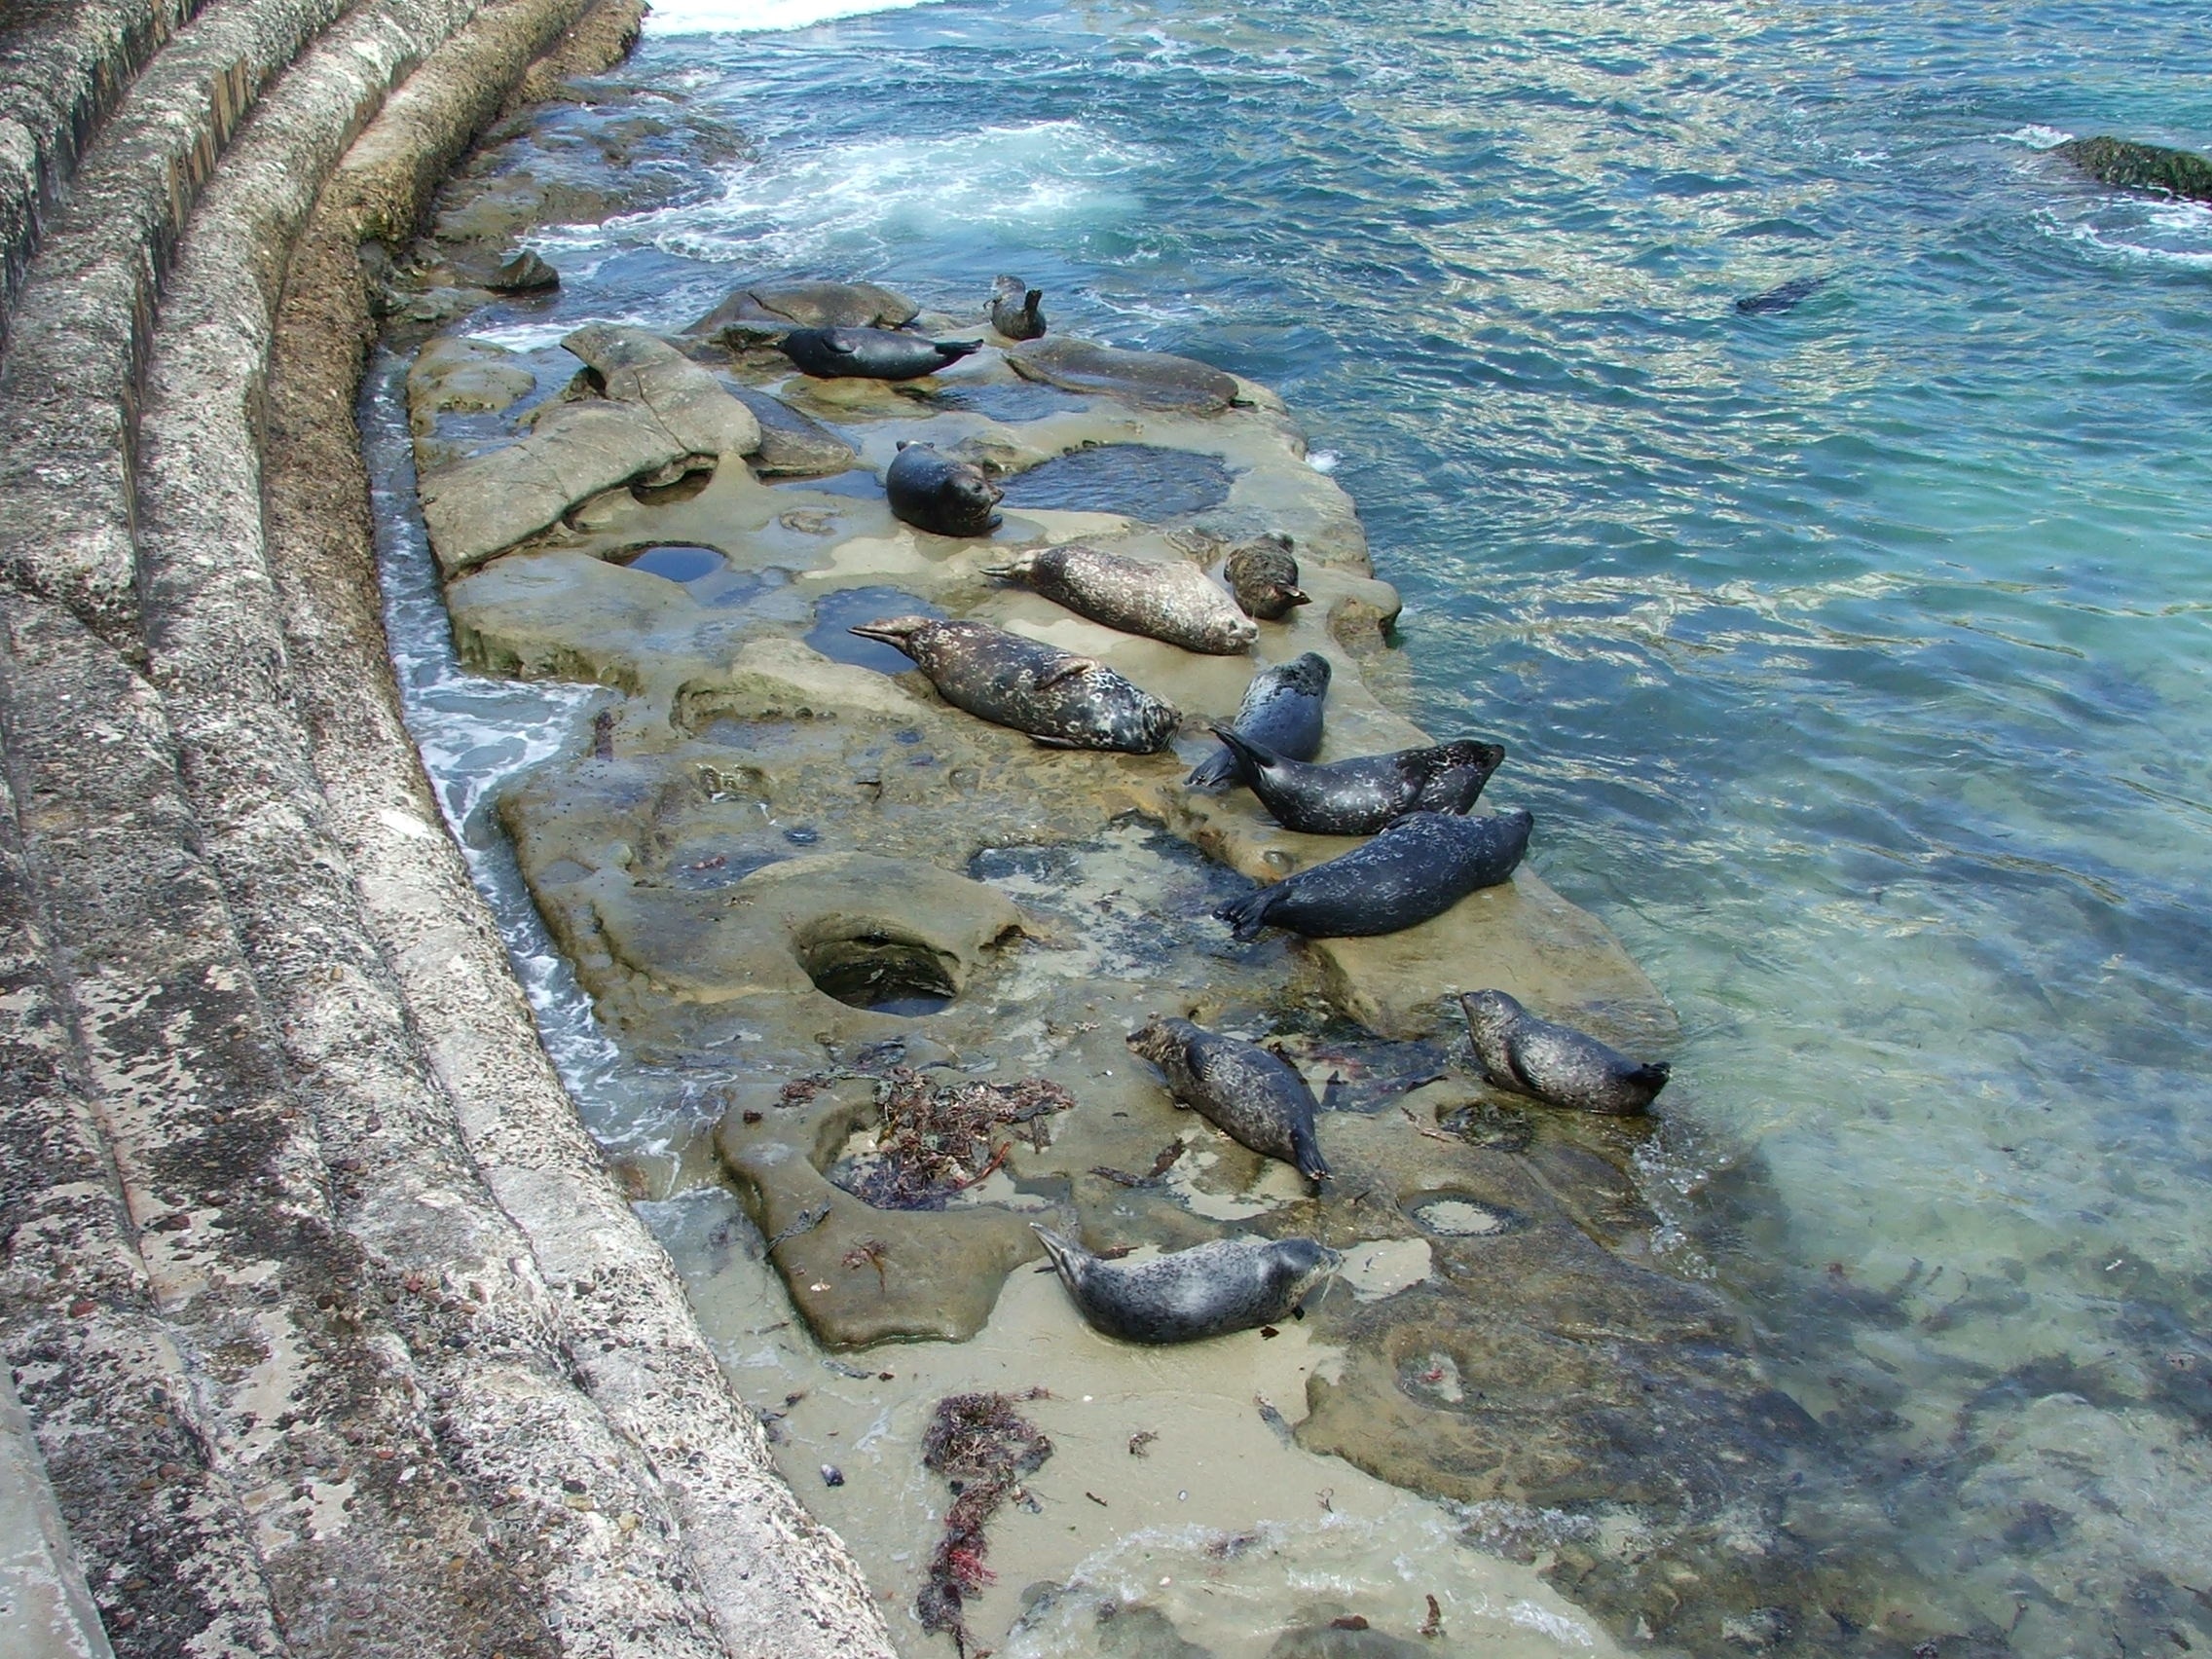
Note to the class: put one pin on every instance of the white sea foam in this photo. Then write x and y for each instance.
(757, 17)
(2036, 137)
(1324, 460)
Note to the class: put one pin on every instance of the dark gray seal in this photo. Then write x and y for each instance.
(1171, 600)
(1419, 868)
(1282, 709)
(1057, 698)
(1255, 1098)
(944, 497)
(1789, 296)
(1014, 310)
(1232, 1284)
(1359, 796)
(871, 353)
(1263, 578)
(1556, 1064)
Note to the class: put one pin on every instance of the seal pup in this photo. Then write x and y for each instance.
(1359, 796)
(1419, 868)
(871, 354)
(1174, 602)
(1060, 699)
(1232, 1284)
(1556, 1064)
(1254, 1097)
(1014, 310)
(1263, 578)
(1282, 709)
(935, 493)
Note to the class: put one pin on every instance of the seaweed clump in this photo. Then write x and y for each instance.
(938, 1140)
(984, 1447)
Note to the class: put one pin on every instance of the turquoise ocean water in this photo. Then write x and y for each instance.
(1853, 656)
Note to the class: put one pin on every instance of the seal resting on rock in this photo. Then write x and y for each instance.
(1556, 1064)
(1232, 1284)
(944, 497)
(1263, 578)
(1419, 868)
(1359, 796)
(871, 353)
(1014, 310)
(1282, 709)
(1255, 1098)
(1175, 602)
(1057, 698)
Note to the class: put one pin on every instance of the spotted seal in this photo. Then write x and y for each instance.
(1282, 709)
(944, 497)
(871, 353)
(1359, 796)
(1232, 1284)
(1556, 1064)
(1014, 310)
(1263, 578)
(1252, 1097)
(1419, 868)
(1061, 700)
(1162, 600)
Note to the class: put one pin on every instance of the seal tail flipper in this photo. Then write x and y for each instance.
(1247, 917)
(1211, 773)
(1245, 758)
(953, 350)
(1064, 1252)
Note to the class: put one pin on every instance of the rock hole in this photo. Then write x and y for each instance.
(881, 974)
(660, 489)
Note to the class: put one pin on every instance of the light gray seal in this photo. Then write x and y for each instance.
(1232, 1284)
(1170, 601)
(1359, 796)
(1255, 1098)
(1061, 700)
(1263, 576)
(871, 353)
(1014, 310)
(1556, 1064)
(935, 493)
(1282, 709)
(1419, 868)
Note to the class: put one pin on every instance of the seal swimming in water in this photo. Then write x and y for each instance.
(935, 493)
(871, 353)
(1060, 699)
(1263, 578)
(1175, 602)
(1014, 310)
(1282, 709)
(1359, 796)
(1788, 297)
(1419, 868)
(1556, 1064)
(1254, 1097)
(1232, 1284)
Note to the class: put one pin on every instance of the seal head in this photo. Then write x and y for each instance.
(1014, 310)
(944, 497)
(1232, 1284)
(1556, 1064)
(1254, 1097)
(1419, 868)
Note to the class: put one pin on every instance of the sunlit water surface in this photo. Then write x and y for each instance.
(1852, 657)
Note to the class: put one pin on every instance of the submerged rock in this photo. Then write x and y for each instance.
(2128, 165)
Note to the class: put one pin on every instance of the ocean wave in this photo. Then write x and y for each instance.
(757, 17)
(2035, 137)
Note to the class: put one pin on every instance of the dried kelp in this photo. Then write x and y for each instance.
(982, 1446)
(937, 1139)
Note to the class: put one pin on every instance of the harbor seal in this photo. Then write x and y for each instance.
(1419, 868)
(871, 353)
(1263, 578)
(1787, 297)
(1359, 796)
(1282, 709)
(1014, 310)
(1060, 699)
(944, 497)
(1232, 1284)
(1255, 1098)
(1174, 602)
(1556, 1064)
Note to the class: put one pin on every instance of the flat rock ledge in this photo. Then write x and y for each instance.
(330, 1331)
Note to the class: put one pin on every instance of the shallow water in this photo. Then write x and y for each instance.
(1848, 654)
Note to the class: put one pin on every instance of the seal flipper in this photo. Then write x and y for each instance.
(1213, 772)
(1068, 1257)
(1247, 917)
(1245, 758)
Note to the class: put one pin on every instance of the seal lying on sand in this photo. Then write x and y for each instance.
(1263, 576)
(1252, 1097)
(1556, 1064)
(944, 497)
(1170, 601)
(1232, 1284)
(1014, 310)
(1419, 868)
(1062, 700)
(1359, 796)
(871, 353)
(1282, 709)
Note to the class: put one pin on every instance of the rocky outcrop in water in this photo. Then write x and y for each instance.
(2128, 165)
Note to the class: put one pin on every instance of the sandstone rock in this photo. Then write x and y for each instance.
(793, 445)
(809, 304)
(1146, 379)
(453, 375)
